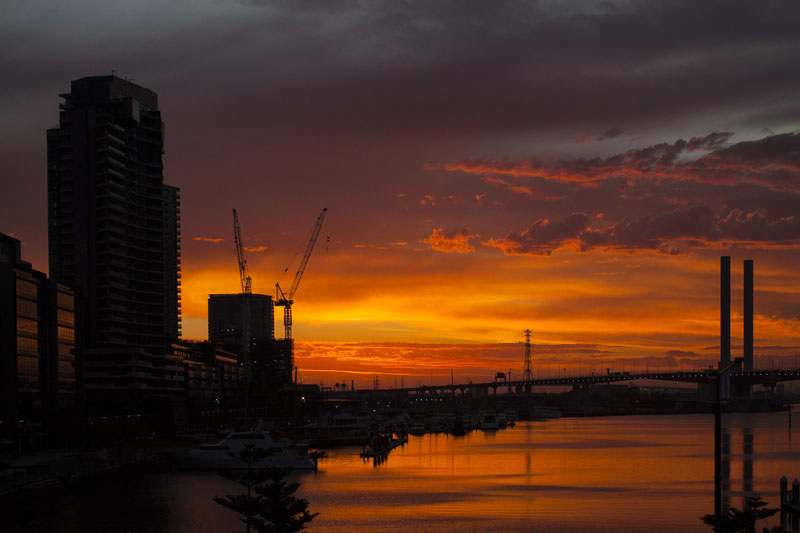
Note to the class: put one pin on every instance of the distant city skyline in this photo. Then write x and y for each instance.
(569, 168)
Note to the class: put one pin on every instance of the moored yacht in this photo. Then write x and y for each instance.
(225, 454)
(502, 421)
(489, 422)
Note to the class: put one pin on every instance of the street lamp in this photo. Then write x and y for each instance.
(718, 436)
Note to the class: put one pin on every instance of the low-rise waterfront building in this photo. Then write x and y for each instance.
(213, 375)
(38, 343)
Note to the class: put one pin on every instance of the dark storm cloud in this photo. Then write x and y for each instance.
(543, 236)
(312, 101)
(772, 162)
(701, 226)
(445, 67)
(698, 226)
(655, 161)
(436, 68)
(610, 134)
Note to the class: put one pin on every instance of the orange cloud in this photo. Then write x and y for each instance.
(450, 241)
(255, 248)
(209, 239)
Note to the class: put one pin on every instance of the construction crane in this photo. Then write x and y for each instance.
(246, 293)
(286, 300)
(237, 238)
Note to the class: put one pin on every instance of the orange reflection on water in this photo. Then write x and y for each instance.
(599, 474)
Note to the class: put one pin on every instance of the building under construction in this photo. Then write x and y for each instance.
(244, 323)
(272, 359)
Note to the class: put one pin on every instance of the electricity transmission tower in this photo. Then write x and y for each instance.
(527, 374)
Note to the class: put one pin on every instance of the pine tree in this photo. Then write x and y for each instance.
(737, 520)
(273, 508)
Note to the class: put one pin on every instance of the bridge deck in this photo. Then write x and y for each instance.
(755, 377)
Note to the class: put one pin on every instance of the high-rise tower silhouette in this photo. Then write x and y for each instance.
(114, 233)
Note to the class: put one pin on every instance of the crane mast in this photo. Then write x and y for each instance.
(237, 238)
(246, 293)
(286, 300)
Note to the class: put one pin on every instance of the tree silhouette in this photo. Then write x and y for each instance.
(736, 520)
(273, 508)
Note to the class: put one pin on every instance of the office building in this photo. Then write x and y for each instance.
(114, 235)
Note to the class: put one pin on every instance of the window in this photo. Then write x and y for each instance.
(66, 318)
(66, 301)
(27, 308)
(27, 369)
(27, 346)
(27, 289)
(65, 352)
(27, 326)
(66, 334)
(66, 374)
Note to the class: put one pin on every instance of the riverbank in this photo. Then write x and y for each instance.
(38, 472)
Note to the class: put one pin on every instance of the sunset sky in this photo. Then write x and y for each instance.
(575, 168)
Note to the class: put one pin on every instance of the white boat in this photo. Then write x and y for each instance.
(344, 429)
(489, 422)
(225, 454)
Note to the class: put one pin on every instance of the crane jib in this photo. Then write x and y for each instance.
(286, 300)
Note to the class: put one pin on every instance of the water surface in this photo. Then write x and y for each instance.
(632, 473)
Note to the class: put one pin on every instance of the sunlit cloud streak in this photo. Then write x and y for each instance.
(772, 162)
(418, 363)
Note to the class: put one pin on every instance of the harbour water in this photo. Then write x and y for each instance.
(631, 473)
